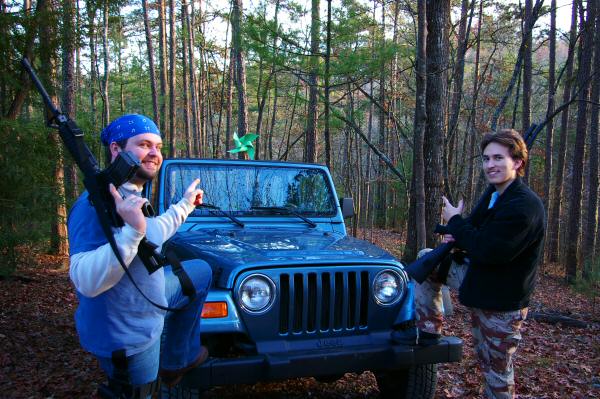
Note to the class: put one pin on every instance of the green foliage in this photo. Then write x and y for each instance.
(27, 199)
(589, 281)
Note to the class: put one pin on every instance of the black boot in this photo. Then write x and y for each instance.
(405, 333)
(428, 339)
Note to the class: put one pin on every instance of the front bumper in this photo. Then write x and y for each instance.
(280, 366)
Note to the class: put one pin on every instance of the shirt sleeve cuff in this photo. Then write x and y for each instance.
(454, 222)
(130, 235)
(187, 207)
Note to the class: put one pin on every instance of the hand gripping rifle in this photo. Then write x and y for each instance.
(421, 268)
(96, 182)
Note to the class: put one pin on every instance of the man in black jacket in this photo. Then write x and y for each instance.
(500, 246)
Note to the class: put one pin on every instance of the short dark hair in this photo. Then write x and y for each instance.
(512, 139)
(121, 143)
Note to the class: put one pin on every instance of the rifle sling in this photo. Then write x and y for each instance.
(107, 229)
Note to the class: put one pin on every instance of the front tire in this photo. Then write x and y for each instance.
(417, 381)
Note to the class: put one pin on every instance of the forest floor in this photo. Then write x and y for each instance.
(40, 356)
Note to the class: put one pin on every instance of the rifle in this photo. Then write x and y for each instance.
(96, 182)
(421, 268)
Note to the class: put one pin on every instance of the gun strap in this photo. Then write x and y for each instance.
(117, 390)
(187, 286)
(149, 257)
(120, 369)
(441, 275)
(119, 385)
(107, 229)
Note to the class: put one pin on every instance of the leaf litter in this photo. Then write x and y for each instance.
(40, 356)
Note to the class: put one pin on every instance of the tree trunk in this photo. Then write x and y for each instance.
(288, 135)
(261, 100)
(527, 67)
(589, 232)
(393, 108)
(150, 48)
(310, 150)
(583, 78)
(91, 9)
(105, 100)
(58, 241)
(513, 122)
(326, 133)
(4, 55)
(24, 81)
(68, 82)
(273, 118)
(369, 210)
(226, 78)
(172, 81)
(203, 85)
(189, 22)
(552, 249)
(550, 108)
(120, 65)
(186, 87)
(472, 129)
(73, 172)
(458, 74)
(274, 77)
(382, 188)
(78, 75)
(209, 111)
(162, 47)
(416, 237)
(240, 68)
(229, 112)
(438, 20)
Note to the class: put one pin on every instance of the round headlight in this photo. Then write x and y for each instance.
(387, 287)
(256, 293)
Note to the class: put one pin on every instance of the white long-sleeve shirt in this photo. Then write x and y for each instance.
(112, 314)
(96, 271)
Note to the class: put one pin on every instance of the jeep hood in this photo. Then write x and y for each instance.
(226, 250)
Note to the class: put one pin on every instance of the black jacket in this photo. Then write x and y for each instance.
(504, 245)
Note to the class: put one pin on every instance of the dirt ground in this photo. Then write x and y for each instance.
(40, 355)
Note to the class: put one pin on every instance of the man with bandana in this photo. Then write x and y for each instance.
(114, 321)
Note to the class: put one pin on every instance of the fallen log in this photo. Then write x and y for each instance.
(555, 318)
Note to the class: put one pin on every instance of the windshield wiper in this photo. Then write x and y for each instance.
(285, 210)
(222, 212)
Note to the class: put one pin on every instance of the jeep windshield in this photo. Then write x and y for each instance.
(242, 190)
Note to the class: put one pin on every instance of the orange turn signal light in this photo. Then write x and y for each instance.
(212, 310)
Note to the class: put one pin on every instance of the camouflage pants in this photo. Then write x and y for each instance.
(496, 334)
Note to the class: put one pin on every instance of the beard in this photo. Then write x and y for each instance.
(145, 175)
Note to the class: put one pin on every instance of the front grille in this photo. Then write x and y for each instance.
(323, 301)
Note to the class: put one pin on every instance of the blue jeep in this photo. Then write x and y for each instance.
(293, 295)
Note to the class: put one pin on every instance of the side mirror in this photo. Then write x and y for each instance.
(347, 205)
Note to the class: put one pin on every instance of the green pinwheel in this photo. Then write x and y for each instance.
(244, 144)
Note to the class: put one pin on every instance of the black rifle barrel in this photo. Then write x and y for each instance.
(40, 87)
(70, 133)
(421, 268)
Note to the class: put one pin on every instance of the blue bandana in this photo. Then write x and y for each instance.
(127, 126)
